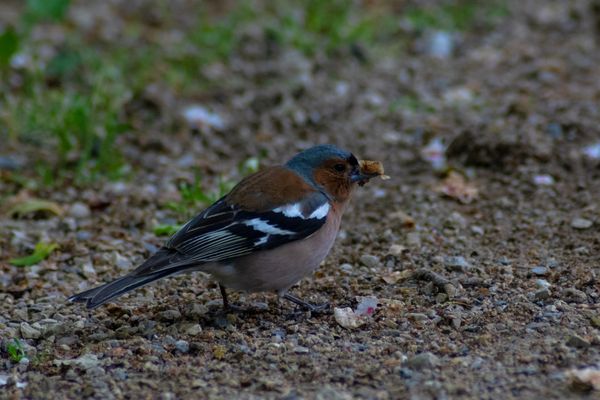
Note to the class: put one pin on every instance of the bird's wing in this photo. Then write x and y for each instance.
(226, 230)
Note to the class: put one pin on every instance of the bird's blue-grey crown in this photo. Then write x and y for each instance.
(306, 161)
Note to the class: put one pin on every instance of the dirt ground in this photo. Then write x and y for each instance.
(511, 309)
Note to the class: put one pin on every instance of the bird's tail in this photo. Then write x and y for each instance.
(156, 267)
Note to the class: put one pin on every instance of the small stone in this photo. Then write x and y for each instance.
(585, 379)
(541, 294)
(458, 96)
(79, 210)
(396, 249)
(441, 298)
(347, 318)
(440, 44)
(539, 270)
(182, 346)
(543, 180)
(422, 361)
(477, 230)
(196, 311)
(28, 332)
(88, 269)
(83, 235)
(301, 350)
(369, 260)
(86, 361)
(572, 295)
(413, 239)
(581, 223)
(578, 342)
(542, 284)
(67, 340)
(193, 330)
(592, 151)
(198, 116)
(346, 267)
(121, 262)
(456, 220)
(10, 163)
(555, 130)
(457, 263)
(121, 374)
(170, 315)
(417, 316)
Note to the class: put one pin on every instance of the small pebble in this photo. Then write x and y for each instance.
(539, 270)
(86, 361)
(413, 239)
(543, 180)
(346, 267)
(29, 332)
(541, 294)
(396, 249)
(457, 263)
(578, 342)
(83, 235)
(581, 223)
(555, 130)
(10, 163)
(440, 44)
(193, 330)
(347, 318)
(121, 262)
(301, 350)
(170, 315)
(369, 260)
(542, 284)
(572, 295)
(477, 230)
(417, 316)
(422, 361)
(79, 210)
(182, 346)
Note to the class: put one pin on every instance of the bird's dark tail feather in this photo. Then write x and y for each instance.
(158, 266)
(99, 295)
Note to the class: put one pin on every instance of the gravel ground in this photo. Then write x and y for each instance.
(486, 285)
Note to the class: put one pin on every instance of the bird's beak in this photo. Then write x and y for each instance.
(361, 178)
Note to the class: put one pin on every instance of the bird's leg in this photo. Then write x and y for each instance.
(224, 296)
(227, 306)
(315, 308)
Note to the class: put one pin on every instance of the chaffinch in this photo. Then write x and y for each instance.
(271, 230)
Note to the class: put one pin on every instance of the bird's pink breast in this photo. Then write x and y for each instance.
(280, 268)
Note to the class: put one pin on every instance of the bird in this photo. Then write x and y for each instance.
(272, 229)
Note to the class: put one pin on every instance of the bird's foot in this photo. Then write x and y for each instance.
(306, 306)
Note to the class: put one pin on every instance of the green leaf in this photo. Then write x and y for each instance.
(41, 252)
(166, 229)
(34, 205)
(40, 10)
(15, 350)
(9, 45)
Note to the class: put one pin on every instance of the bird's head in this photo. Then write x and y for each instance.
(329, 168)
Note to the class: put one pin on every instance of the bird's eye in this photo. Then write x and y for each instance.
(339, 167)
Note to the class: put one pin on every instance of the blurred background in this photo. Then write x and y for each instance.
(120, 119)
(91, 90)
